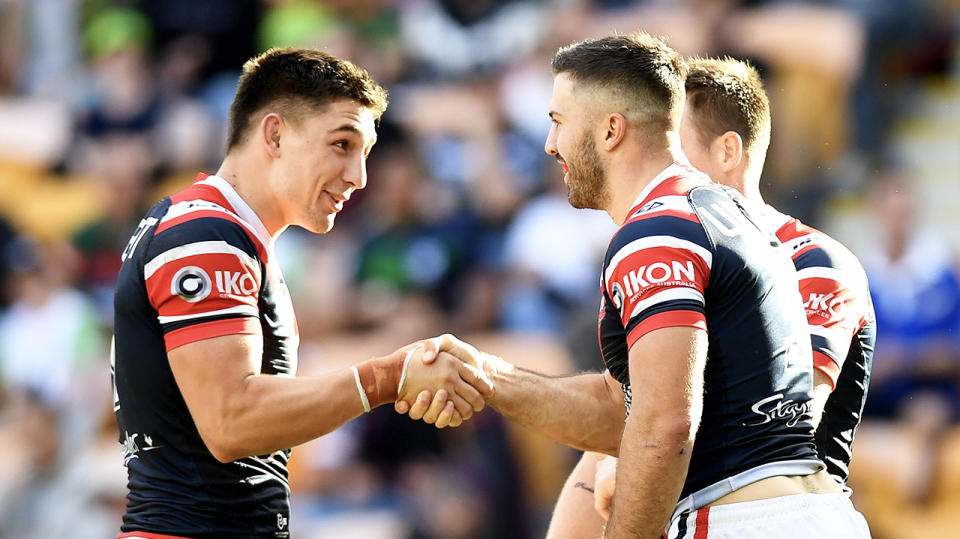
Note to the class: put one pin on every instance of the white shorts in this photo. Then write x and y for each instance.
(801, 516)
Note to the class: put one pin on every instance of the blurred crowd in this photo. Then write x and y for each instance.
(106, 106)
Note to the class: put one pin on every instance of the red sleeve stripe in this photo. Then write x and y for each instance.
(669, 294)
(244, 310)
(649, 242)
(667, 319)
(147, 535)
(200, 248)
(173, 309)
(209, 330)
(827, 366)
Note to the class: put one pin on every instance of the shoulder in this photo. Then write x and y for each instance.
(194, 222)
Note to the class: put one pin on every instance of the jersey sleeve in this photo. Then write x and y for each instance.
(657, 281)
(833, 315)
(203, 277)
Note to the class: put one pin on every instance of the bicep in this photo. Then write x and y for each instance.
(210, 372)
(666, 374)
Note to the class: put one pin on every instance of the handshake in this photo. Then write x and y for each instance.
(444, 380)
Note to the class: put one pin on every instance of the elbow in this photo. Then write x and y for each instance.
(224, 453)
(672, 429)
(221, 446)
(222, 436)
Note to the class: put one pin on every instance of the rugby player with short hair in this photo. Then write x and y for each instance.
(725, 132)
(205, 348)
(701, 327)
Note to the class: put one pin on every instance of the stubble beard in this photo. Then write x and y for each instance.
(586, 177)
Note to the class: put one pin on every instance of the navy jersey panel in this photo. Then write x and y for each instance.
(189, 273)
(758, 377)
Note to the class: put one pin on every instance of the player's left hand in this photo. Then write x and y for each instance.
(448, 390)
(429, 406)
(605, 481)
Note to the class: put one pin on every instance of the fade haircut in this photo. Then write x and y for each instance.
(727, 95)
(297, 81)
(639, 72)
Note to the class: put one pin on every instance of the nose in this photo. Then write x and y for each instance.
(550, 146)
(356, 174)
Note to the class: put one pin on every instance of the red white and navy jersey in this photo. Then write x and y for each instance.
(199, 265)
(689, 254)
(843, 330)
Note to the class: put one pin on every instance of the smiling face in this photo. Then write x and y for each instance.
(322, 161)
(571, 141)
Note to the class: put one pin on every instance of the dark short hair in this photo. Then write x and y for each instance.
(641, 68)
(295, 79)
(727, 95)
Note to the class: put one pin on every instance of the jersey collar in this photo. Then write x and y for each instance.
(674, 169)
(240, 207)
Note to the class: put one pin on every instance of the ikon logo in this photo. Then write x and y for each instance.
(825, 303)
(236, 283)
(640, 278)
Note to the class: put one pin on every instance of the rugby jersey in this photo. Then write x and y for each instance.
(689, 254)
(842, 327)
(199, 265)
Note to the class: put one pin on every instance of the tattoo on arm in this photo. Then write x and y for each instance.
(584, 486)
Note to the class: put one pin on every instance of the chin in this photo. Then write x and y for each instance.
(321, 225)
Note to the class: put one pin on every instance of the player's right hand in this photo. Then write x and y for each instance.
(445, 388)
(427, 404)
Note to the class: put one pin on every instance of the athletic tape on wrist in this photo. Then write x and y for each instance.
(406, 361)
(363, 394)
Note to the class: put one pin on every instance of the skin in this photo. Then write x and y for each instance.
(726, 161)
(299, 173)
(656, 442)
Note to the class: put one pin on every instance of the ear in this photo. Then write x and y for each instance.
(729, 151)
(614, 130)
(271, 127)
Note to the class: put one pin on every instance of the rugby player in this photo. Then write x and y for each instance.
(700, 314)
(725, 132)
(205, 348)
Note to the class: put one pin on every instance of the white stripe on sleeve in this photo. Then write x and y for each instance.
(667, 295)
(199, 248)
(239, 309)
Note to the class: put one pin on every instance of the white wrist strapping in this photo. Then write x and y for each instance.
(406, 361)
(363, 394)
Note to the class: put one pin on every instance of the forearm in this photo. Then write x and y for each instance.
(274, 412)
(653, 466)
(574, 516)
(579, 411)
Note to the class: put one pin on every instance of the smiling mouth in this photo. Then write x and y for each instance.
(336, 201)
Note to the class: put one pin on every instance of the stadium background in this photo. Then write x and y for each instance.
(106, 106)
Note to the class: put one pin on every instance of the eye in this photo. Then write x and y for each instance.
(342, 144)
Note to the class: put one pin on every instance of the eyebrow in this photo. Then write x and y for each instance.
(351, 128)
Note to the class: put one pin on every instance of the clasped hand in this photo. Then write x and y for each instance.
(446, 381)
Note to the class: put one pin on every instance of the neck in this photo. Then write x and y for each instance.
(747, 184)
(244, 173)
(628, 176)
